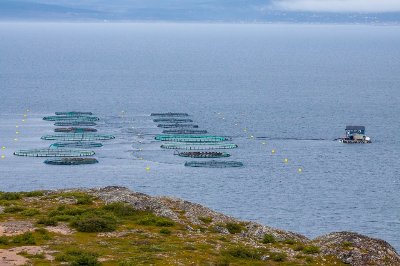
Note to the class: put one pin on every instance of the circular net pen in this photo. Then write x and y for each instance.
(172, 120)
(71, 161)
(192, 138)
(74, 123)
(184, 131)
(198, 146)
(75, 129)
(214, 164)
(54, 153)
(177, 125)
(77, 137)
(78, 144)
(70, 118)
(204, 154)
(73, 113)
(169, 114)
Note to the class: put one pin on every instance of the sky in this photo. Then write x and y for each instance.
(293, 11)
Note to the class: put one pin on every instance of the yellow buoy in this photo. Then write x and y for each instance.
(24, 115)
(23, 120)
(273, 151)
(17, 126)
(17, 132)
(3, 148)
(3, 156)
(300, 170)
(147, 168)
(286, 160)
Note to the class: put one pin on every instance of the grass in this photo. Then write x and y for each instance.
(268, 238)
(234, 228)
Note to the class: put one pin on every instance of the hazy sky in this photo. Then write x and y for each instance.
(372, 6)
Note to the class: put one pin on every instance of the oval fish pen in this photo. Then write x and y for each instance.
(77, 137)
(214, 164)
(74, 123)
(73, 113)
(176, 125)
(82, 145)
(53, 153)
(75, 129)
(184, 131)
(192, 138)
(71, 161)
(198, 146)
(70, 118)
(204, 154)
(173, 120)
(169, 114)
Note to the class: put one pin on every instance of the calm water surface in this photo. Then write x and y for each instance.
(294, 88)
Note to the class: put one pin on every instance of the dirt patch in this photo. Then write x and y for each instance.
(13, 228)
(61, 229)
(11, 258)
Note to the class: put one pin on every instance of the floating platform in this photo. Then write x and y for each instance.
(173, 120)
(354, 141)
(71, 118)
(71, 161)
(176, 125)
(192, 138)
(54, 153)
(77, 137)
(75, 123)
(214, 164)
(73, 113)
(78, 144)
(184, 131)
(75, 129)
(198, 146)
(204, 154)
(169, 114)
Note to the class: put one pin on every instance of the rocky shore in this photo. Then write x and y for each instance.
(204, 236)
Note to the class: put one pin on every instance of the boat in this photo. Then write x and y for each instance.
(203, 154)
(192, 138)
(73, 113)
(74, 123)
(176, 125)
(75, 129)
(169, 114)
(78, 144)
(173, 120)
(71, 161)
(184, 131)
(71, 118)
(214, 164)
(198, 146)
(77, 137)
(54, 153)
(355, 135)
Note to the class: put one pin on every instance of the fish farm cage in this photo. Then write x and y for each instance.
(78, 137)
(71, 161)
(74, 123)
(198, 146)
(169, 114)
(54, 153)
(184, 131)
(214, 164)
(204, 154)
(176, 125)
(173, 120)
(192, 138)
(71, 118)
(75, 129)
(78, 144)
(73, 113)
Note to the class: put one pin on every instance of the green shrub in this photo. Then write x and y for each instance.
(26, 239)
(13, 209)
(94, 223)
(84, 200)
(30, 212)
(234, 228)
(44, 234)
(10, 196)
(34, 194)
(298, 247)
(243, 252)
(4, 240)
(277, 256)
(77, 257)
(268, 238)
(311, 250)
(120, 209)
(165, 231)
(156, 221)
(47, 221)
(289, 241)
(205, 220)
(347, 244)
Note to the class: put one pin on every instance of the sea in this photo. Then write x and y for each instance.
(283, 92)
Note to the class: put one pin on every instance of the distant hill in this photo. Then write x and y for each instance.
(175, 10)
